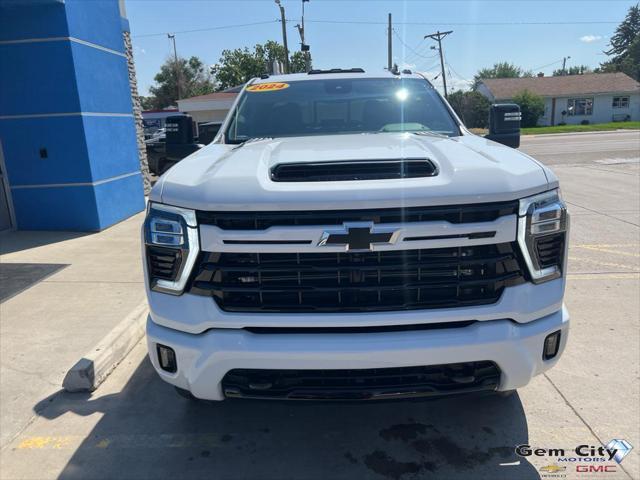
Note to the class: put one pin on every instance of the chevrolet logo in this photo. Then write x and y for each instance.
(552, 469)
(361, 236)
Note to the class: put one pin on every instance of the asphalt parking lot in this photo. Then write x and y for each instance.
(135, 426)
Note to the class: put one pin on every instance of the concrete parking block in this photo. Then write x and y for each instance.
(93, 368)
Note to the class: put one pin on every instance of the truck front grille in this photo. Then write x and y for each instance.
(483, 212)
(358, 281)
(362, 384)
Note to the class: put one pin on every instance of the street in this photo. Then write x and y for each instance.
(135, 426)
(601, 148)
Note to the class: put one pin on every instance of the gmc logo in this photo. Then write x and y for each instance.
(596, 468)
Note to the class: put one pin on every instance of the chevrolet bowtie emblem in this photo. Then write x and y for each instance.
(553, 468)
(359, 236)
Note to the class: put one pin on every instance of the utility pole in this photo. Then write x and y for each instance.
(304, 48)
(284, 36)
(439, 36)
(564, 63)
(389, 46)
(175, 63)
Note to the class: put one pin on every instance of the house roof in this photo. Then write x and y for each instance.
(211, 96)
(588, 83)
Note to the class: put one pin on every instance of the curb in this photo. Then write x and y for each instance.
(94, 367)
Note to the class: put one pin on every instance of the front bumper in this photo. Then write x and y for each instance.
(204, 359)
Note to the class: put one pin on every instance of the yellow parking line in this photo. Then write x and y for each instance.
(104, 443)
(50, 443)
(163, 440)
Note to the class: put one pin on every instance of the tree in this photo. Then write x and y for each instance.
(531, 107)
(194, 80)
(472, 107)
(625, 46)
(575, 70)
(626, 33)
(146, 103)
(297, 62)
(238, 66)
(499, 70)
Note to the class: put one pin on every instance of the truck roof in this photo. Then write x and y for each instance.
(325, 75)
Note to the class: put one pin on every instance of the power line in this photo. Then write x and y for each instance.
(221, 27)
(373, 22)
(426, 70)
(366, 22)
(462, 24)
(460, 77)
(547, 65)
(415, 52)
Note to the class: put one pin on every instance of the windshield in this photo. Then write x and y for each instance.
(335, 106)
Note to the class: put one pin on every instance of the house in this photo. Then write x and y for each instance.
(572, 99)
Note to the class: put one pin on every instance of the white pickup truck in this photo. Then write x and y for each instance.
(345, 237)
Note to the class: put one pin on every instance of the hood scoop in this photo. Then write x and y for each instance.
(351, 170)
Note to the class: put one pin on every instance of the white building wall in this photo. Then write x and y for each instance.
(603, 111)
(545, 119)
(207, 115)
(206, 110)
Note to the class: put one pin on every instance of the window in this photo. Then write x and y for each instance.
(620, 102)
(341, 105)
(580, 106)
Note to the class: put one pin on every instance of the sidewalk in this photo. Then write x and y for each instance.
(60, 294)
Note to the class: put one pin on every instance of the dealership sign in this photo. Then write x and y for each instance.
(615, 450)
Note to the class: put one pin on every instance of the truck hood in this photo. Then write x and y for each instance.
(471, 169)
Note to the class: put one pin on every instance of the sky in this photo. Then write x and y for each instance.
(534, 34)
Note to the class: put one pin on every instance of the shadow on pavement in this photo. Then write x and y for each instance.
(18, 277)
(16, 241)
(148, 431)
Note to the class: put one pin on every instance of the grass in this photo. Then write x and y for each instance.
(597, 127)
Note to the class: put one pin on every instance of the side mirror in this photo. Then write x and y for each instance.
(504, 124)
(179, 130)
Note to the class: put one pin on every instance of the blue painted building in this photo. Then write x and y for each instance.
(68, 152)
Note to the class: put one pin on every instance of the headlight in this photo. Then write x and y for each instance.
(172, 246)
(543, 224)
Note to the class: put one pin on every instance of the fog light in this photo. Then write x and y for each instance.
(167, 359)
(551, 345)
